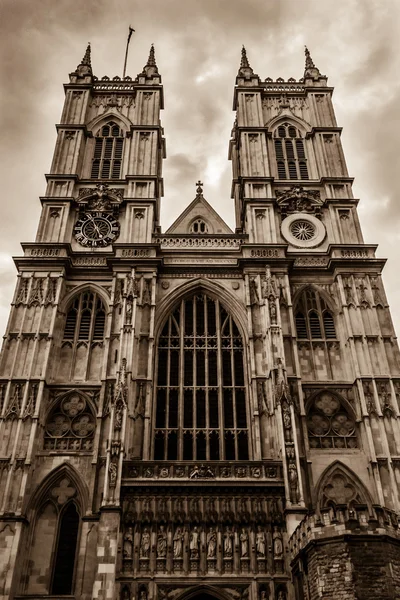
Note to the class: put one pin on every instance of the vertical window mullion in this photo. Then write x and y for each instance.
(76, 336)
(168, 385)
(219, 371)
(204, 299)
(235, 423)
(181, 373)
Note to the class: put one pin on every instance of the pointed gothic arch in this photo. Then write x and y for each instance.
(112, 115)
(339, 485)
(52, 539)
(205, 591)
(83, 320)
(273, 123)
(64, 471)
(215, 290)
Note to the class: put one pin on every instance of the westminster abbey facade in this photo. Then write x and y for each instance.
(201, 413)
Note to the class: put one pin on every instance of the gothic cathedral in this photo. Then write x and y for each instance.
(201, 413)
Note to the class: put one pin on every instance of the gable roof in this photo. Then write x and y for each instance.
(199, 208)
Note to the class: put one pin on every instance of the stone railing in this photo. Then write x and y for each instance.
(223, 472)
(198, 242)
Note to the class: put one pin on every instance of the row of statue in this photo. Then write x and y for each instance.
(211, 543)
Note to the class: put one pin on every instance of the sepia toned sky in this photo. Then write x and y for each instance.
(198, 42)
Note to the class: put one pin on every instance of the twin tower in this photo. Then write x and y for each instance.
(201, 413)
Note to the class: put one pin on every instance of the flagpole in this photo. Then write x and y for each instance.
(131, 30)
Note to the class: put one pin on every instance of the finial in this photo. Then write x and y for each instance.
(199, 189)
(309, 60)
(244, 63)
(86, 60)
(150, 67)
(151, 61)
(310, 71)
(245, 69)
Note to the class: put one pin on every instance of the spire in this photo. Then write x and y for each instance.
(151, 61)
(244, 63)
(84, 69)
(310, 70)
(245, 69)
(150, 67)
(86, 60)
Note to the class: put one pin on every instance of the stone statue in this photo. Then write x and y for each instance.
(228, 543)
(211, 543)
(277, 544)
(194, 543)
(244, 543)
(128, 543)
(162, 543)
(260, 542)
(178, 543)
(145, 544)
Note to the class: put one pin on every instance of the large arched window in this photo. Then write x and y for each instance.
(107, 156)
(291, 160)
(314, 320)
(200, 409)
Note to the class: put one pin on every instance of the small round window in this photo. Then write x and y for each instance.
(199, 226)
(303, 231)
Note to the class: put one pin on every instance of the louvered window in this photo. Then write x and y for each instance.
(329, 325)
(314, 321)
(107, 156)
(200, 409)
(291, 160)
(85, 319)
(301, 326)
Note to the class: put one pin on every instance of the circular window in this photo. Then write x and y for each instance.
(303, 231)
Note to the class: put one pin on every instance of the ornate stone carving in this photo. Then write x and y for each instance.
(128, 544)
(14, 403)
(297, 199)
(102, 198)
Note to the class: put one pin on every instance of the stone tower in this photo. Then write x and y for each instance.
(199, 412)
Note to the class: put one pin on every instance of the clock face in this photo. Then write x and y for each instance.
(96, 230)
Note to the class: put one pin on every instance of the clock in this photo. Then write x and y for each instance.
(96, 230)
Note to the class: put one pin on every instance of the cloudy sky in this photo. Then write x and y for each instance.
(354, 42)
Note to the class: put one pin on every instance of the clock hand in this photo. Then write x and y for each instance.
(94, 225)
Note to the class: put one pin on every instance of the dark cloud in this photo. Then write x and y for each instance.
(198, 46)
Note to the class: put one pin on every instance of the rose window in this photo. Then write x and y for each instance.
(70, 425)
(329, 424)
(302, 230)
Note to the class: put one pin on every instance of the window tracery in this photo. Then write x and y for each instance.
(291, 159)
(200, 411)
(70, 425)
(329, 423)
(199, 226)
(107, 156)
